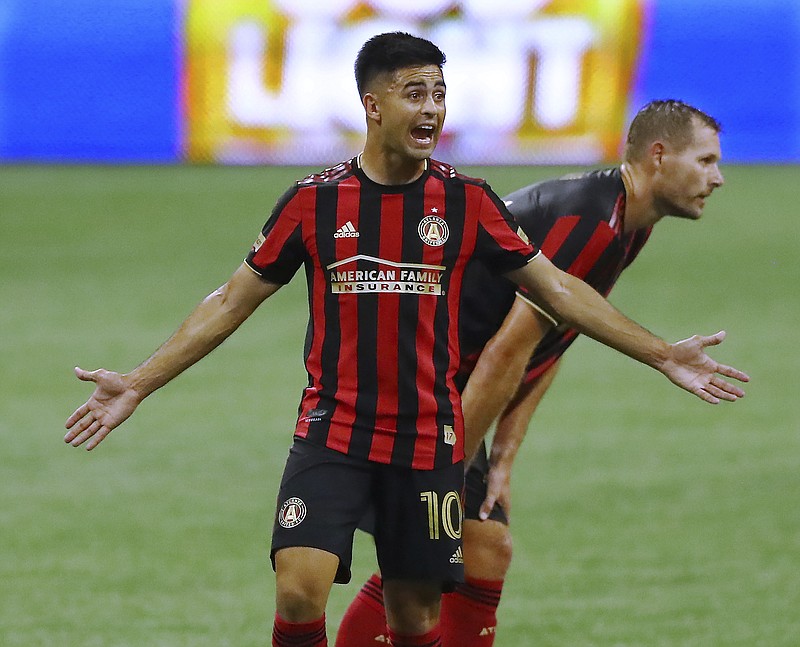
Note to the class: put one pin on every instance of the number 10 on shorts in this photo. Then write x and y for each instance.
(443, 517)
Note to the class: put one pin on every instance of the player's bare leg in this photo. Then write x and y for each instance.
(487, 549)
(303, 581)
(304, 577)
(412, 610)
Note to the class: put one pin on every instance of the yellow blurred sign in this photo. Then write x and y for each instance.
(528, 81)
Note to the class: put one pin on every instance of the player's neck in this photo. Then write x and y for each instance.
(639, 209)
(390, 169)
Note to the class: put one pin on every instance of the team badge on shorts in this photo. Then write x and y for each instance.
(292, 512)
(433, 231)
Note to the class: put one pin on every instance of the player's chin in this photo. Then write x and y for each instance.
(688, 212)
(422, 149)
(421, 152)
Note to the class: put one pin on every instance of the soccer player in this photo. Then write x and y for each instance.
(593, 226)
(385, 239)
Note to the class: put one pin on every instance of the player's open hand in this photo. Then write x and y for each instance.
(112, 402)
(690, 368)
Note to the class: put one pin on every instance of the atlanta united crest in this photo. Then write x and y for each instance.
(292, 512)
(433, 231)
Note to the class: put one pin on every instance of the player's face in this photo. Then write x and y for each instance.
(688, 176)
(412, 111)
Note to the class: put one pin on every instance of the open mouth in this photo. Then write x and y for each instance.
(423, 134)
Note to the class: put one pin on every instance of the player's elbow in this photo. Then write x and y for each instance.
(557, 299)
(567, 298)
(227, 311)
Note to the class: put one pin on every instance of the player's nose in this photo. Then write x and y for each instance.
(717, 180)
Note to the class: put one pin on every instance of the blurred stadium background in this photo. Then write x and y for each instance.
(142, 144)
(529, 81)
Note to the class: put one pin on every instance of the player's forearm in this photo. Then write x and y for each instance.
(500, 369)
(512, 426)
(204, 329)
(211, 322)
(574, 302)
(587, 311)
(491, 385)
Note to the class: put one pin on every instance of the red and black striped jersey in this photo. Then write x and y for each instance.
(385, 267)
(577, 222)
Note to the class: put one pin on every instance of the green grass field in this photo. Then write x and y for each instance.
(642, 517)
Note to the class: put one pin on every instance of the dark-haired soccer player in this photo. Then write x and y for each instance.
(593, 226)
(385, 239)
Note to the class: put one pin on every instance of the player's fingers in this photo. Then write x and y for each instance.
(80, 426)
(98, 438)
(80, 438)
(719, 393)
(735, 373)
(84, 375)
(728, 391)
(79, 413)
(718, 389)
(713, 340)
(704, 395)
(486, 507)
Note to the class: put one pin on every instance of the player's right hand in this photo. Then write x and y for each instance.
(111, 403)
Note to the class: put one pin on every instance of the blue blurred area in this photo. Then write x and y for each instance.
(91, 80)
(88, 80)
(739, 61)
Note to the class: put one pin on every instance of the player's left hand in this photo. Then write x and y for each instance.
(498, 490)
(690, 368)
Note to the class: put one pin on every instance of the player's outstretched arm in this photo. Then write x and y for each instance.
(116, 395)
(684, 363)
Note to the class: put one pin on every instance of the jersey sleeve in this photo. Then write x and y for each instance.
(502, 244)
(279, 250)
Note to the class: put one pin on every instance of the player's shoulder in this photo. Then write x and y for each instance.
(588, 183)
(581, 194)
(330, 175)
(610, 177)
(311, 182)
(447, 172)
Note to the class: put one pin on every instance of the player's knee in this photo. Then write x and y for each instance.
(503, 550)
(297, 602)
(488, 549)
(412, 608)
(303, 580)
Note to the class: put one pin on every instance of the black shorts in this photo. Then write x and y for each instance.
(475, 488)
(324, 494)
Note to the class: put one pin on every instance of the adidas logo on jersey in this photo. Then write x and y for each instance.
(458, 557)
(346, 231)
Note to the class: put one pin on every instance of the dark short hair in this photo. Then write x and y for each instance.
(390, 52)
(670, 120)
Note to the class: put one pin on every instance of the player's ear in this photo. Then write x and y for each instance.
(656, 152)
(371, 107)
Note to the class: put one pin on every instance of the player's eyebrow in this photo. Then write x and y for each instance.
(422, 84)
